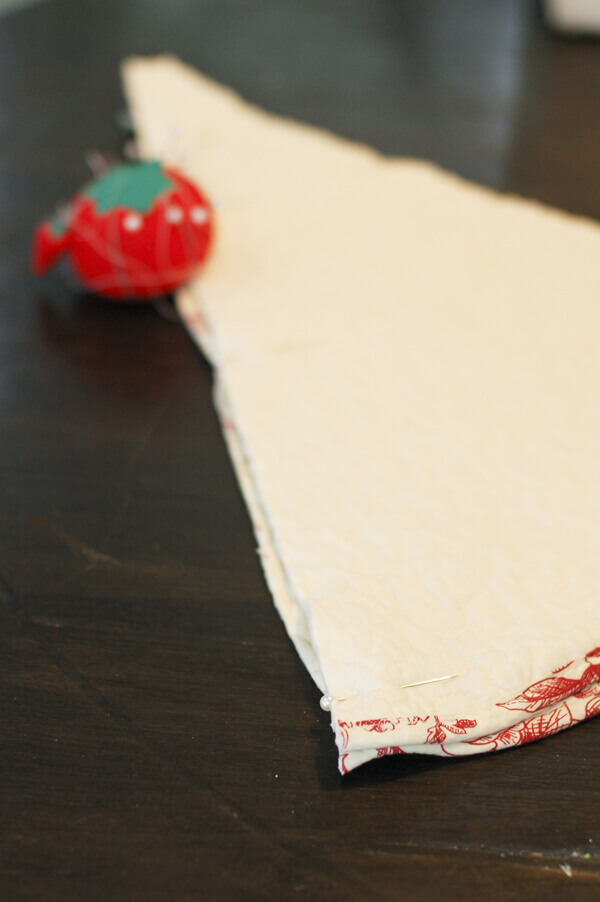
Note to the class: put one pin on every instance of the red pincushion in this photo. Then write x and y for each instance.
(136, 233)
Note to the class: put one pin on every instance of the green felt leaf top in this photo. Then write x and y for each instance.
(59, 224)
(132, 185)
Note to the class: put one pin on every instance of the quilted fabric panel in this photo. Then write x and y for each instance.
(407, 376)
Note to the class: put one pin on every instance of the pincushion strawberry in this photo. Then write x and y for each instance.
(136, 233)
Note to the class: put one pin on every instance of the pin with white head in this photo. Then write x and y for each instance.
(327, 700)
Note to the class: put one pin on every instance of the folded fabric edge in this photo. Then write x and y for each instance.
(288, 606)
(559, 701)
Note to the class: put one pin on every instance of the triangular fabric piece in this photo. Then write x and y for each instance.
(407, 374)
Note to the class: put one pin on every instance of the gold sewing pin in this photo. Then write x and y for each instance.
(326, 700)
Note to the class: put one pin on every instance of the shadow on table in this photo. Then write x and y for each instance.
(119, 348)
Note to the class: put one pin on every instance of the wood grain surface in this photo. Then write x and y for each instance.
(160, 738)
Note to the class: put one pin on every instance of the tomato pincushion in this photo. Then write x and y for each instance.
(137, 232)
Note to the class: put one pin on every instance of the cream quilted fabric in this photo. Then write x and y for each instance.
(408, 376)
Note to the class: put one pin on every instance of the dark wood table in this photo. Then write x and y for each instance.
(160, 738)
